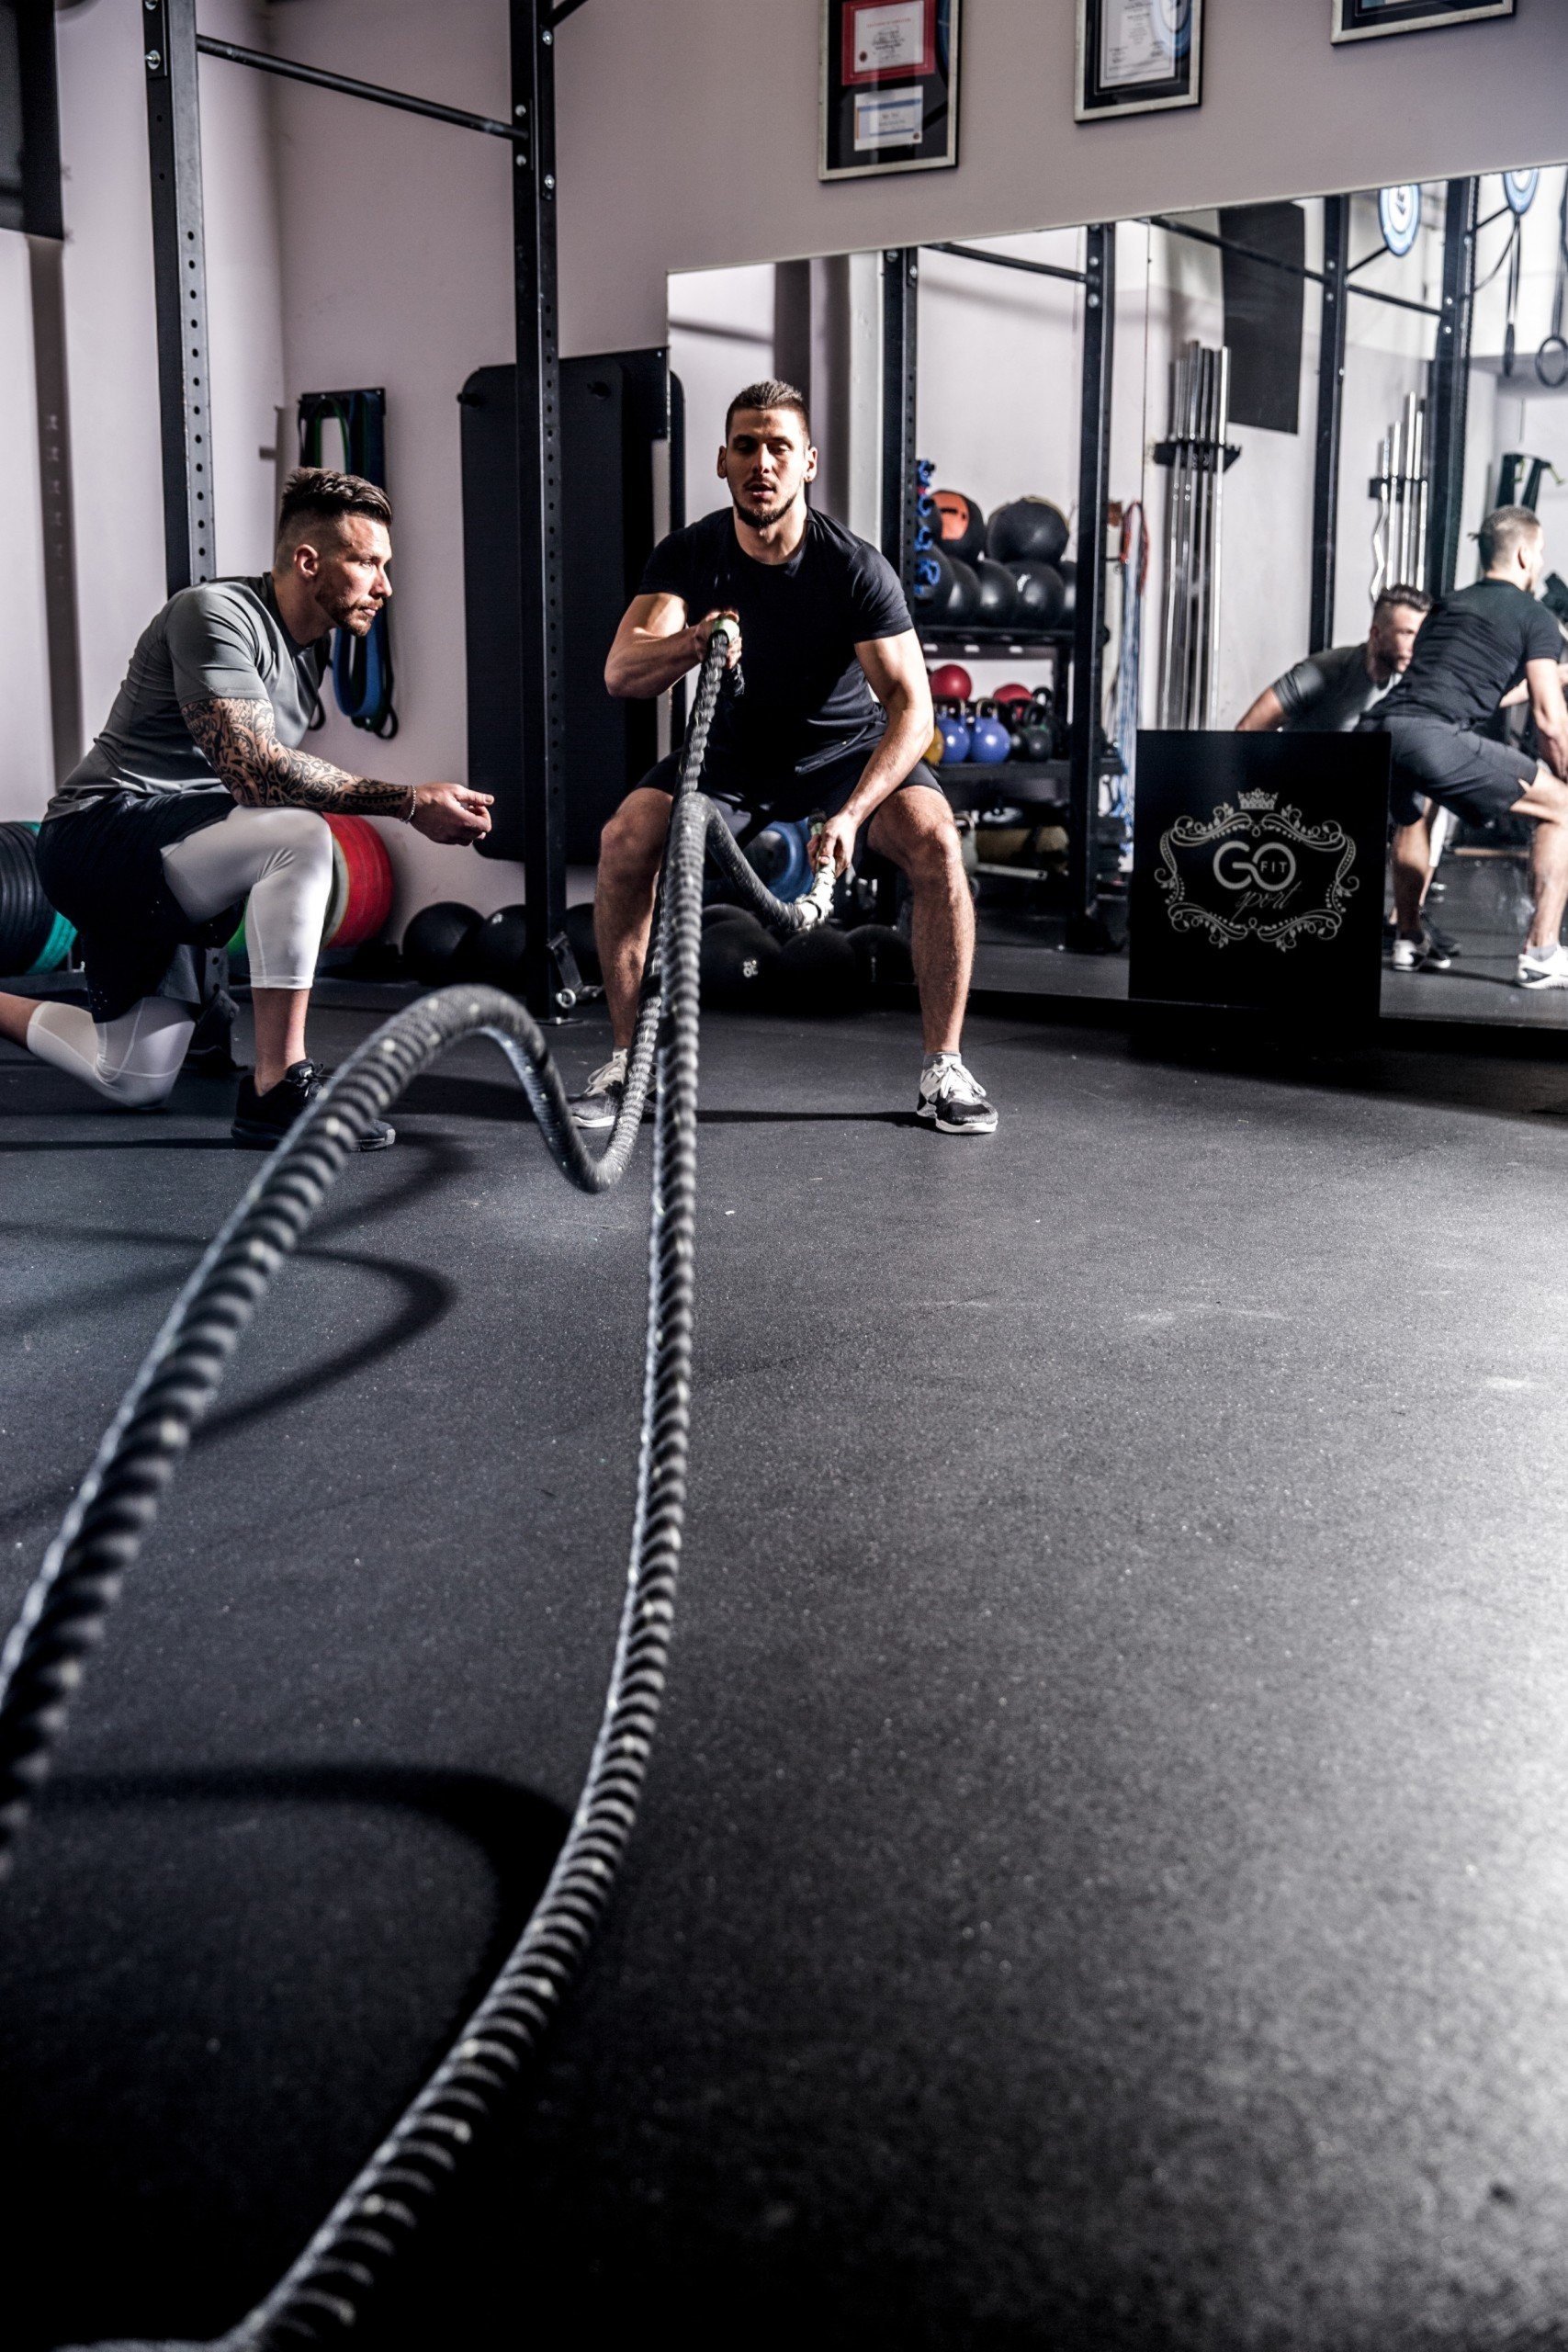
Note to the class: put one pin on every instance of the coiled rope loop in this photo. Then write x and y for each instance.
(63, 1615)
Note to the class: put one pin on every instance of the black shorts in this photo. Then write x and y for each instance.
(821, 792)
(103, 867)
(1479, 779)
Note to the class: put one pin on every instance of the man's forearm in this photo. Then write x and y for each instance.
(239, 741)
(638, 672)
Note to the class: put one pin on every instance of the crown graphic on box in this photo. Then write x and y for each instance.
(1258, 799)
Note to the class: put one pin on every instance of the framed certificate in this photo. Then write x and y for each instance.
(889, 87)
(1135, 56)
(1365, 20)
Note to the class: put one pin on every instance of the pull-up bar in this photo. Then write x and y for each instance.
(289, 69)
(1002, 261)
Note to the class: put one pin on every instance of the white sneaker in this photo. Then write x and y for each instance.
(600, 1099)
(1422, 954)
(953, 1099)
(1544, 967)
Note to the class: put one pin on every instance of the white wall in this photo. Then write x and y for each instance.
(661, 169)
(26, 751)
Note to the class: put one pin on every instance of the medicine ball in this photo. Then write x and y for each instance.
(437, 941)
(1069, 574)
(819, 972)
(951, 683)
(719, 911)
(1040, 593)
(960, 607)
(884, 953)
(962, 526)
(998, 596)
(1012, 692)
(495, 952)
(955, 734)
(580, 939)
(740, 960)
(1029, 530)
(777, 856)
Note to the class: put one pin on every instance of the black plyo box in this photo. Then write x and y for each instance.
(1258, 869)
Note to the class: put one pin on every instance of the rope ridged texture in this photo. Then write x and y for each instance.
(63, 1617)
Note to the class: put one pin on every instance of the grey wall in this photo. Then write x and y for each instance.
(688, 134)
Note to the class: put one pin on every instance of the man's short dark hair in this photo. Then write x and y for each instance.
(314, 493)
(1416, 599)
(769, 393)
(1503, 530)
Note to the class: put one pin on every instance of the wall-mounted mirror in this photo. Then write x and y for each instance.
(1276, 414)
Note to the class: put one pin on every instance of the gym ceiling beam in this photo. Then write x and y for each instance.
(1447, 398)
(1085, 926)
(179, 284)
(1330, 410)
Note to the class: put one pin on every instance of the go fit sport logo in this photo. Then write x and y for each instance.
(1269, 868)
(1282, 880)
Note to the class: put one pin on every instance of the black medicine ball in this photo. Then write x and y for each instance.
(496, 950)
(740, 960)
(436, 942)
(1041, 596)
(998, 596)
(819, 972)
(1029, 530)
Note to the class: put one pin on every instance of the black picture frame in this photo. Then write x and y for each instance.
(889, 92)
(1371, 19)
(1122, 57)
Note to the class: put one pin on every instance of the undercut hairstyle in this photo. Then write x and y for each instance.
(1502, 532)
(316, 494)
(769, 393)
(1415, 599)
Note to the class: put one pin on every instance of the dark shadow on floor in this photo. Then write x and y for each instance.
(164, 2155)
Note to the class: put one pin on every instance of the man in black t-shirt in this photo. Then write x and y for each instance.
(1329, 692)
(834, 721)
(1477, 646)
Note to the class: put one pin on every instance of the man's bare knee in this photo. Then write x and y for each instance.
(633, 842)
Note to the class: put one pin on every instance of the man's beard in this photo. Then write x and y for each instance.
(763, 522)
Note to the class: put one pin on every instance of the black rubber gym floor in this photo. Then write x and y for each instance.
(1104, 1881)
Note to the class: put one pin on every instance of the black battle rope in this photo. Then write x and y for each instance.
(63, 1617)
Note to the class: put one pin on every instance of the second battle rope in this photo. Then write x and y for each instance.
(322, 2295)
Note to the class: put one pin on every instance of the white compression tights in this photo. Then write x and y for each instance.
(283, 859)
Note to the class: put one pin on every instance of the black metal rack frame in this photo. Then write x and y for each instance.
(900, 349)
(173, 48)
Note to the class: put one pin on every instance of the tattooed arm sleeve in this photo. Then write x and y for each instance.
(239, 739)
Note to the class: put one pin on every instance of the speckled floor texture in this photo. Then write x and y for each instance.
(1104, 1877)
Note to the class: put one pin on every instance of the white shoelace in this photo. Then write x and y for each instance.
(952, 1079)
(608, 1074)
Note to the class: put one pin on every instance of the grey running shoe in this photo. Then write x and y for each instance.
(599, 1103)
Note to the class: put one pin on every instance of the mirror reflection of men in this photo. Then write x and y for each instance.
(194, 799)
(1329, 692)
(834, 721)
(1478, 646)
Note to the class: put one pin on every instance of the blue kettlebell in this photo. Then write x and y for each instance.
(989, 741)
(954, 735)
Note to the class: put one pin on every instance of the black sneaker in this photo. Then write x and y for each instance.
(261, 1120)
(954, 1100)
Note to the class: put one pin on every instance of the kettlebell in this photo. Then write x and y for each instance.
(990, 742)
(955, 736)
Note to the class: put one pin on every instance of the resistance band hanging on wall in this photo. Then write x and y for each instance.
(362, 666)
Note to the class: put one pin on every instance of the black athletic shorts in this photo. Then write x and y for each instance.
(1477, 778)
(103, 867)
(822, 792)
